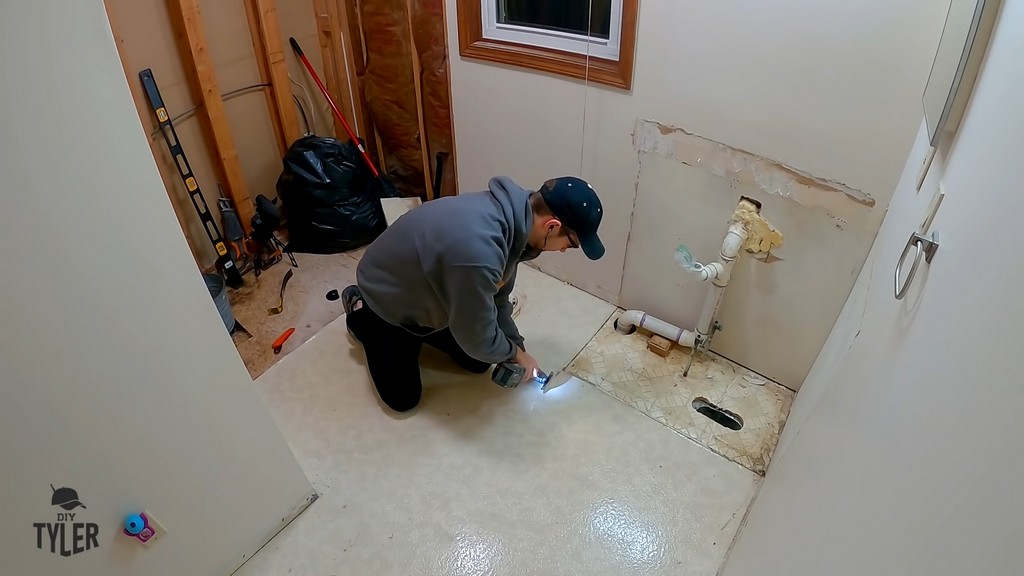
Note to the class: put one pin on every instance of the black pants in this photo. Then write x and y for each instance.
(392, 354)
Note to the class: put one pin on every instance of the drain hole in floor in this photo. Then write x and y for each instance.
(719, 416)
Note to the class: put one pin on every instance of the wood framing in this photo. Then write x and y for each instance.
(326, 26)
(417, 86)
(455, 154)
(169, 178)
(268, 46)
(187, 20)
(618, 74)
(355, 67)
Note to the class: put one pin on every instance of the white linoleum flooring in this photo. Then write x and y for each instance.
(481, 480)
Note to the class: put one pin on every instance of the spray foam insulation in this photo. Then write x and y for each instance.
(761, 236)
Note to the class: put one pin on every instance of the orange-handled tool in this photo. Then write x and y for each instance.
(279, 343)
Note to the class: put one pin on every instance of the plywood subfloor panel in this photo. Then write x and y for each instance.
(623, 367)
(306, 307)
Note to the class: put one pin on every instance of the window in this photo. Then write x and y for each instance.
(556, 25)
(553, 37)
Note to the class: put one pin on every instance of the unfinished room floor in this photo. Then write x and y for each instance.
(623, 367)
(480, 480)
(306, 307)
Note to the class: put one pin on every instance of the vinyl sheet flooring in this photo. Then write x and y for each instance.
(480, 480)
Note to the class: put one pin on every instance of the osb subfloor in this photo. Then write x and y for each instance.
(623, 367)
(306, 307)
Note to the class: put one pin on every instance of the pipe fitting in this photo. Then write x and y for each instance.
(712, 271)
(630, 320)
(748, 230)
(733, 241)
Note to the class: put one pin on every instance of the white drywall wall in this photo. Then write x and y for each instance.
(832, 89)
(901, 453)
(117, 378)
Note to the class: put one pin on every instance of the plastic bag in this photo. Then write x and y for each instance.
(686, 261)
(330, 198)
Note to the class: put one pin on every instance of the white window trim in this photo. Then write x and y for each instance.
(567, 42)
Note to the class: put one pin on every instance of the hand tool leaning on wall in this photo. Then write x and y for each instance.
(386, 187)
(225, 264)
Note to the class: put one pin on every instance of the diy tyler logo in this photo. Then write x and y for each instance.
(65, 536)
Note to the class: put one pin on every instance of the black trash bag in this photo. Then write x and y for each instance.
(328, 193)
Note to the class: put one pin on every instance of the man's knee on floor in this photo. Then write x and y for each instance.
(401, 402)
(402, 405)
(477, 367)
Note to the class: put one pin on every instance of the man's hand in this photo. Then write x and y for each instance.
(528, 362)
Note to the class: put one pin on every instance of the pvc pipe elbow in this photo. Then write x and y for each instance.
(733, 241)
(713, 271)
(630, 320)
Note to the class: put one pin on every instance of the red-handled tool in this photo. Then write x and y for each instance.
(279, 343)
(388, 189)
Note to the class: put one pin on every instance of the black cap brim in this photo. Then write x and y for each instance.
(592, 247)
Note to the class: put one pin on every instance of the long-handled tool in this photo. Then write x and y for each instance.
(225, 264)
(387, 188)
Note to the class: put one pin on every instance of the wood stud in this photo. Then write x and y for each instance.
(188, 21)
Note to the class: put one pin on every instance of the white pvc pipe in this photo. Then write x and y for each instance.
(712, 301)
(733, 241)
(718, 272)
(730, 251)
(711, 271)
(640, 319)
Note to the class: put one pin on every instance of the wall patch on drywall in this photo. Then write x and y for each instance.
(768, 175)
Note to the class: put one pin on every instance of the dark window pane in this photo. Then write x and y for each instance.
(561, 15)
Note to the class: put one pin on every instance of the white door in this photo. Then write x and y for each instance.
(120, 389)
(904, 452)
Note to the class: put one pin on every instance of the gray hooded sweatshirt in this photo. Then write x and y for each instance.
(451, 263)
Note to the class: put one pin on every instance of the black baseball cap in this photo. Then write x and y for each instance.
(575, 203)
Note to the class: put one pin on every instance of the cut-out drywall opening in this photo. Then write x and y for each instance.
(720, 416)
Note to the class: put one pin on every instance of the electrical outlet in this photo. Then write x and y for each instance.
(158, 528)
(143, 527)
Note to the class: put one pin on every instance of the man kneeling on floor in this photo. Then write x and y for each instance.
(441, 275)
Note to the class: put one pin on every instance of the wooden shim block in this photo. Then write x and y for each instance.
(188, 21)
(659, 345)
